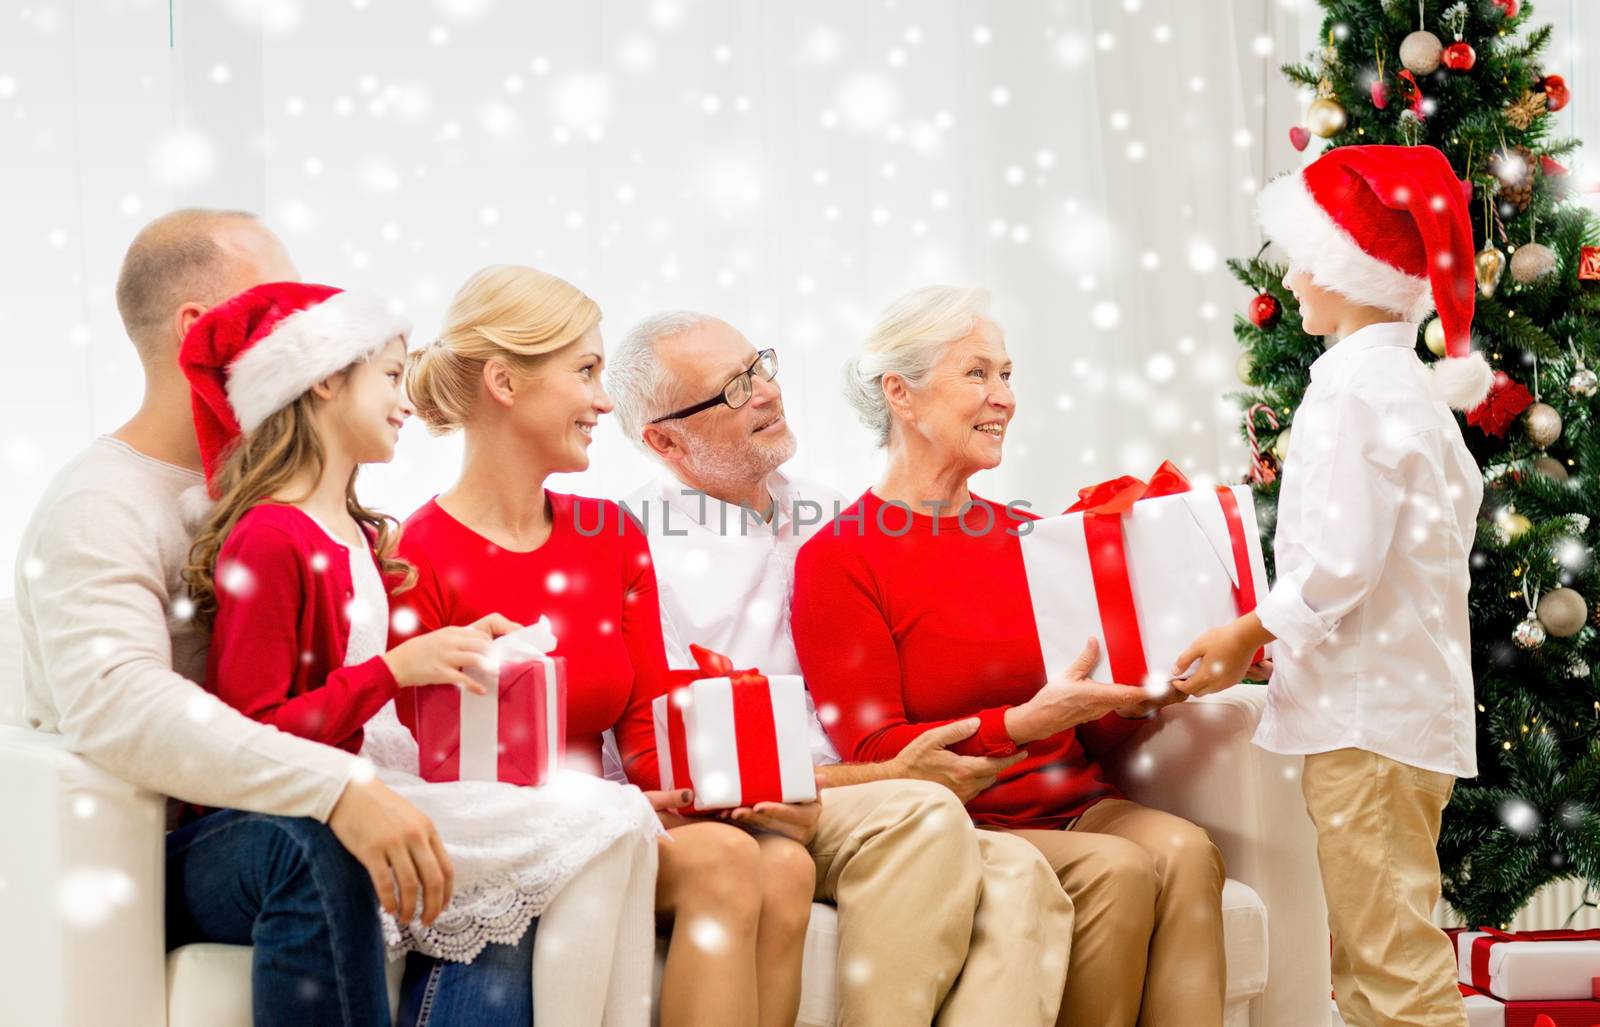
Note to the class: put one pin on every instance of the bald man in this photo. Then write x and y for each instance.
(304, 846)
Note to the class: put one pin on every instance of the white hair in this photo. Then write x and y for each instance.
(638, 384)
(908, 341)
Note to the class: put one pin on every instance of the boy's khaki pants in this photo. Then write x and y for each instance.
(1377, 827)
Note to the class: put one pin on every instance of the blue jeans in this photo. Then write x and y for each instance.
(286, 886)
(495, 988)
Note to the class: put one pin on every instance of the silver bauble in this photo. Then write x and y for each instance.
(1543, 425)
(1583, 383)
(1528, 634)
(1532, 262)
(1421, 52)
(1551, 468)
(1563, 612)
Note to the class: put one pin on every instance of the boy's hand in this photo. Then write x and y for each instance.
(1224, 656)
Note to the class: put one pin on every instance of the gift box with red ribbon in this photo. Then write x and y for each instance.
(1484, 1010)
(1530, 965)
(734, 737)
(517, 733)
(1144, 568)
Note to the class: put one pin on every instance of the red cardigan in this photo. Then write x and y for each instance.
(593, 578)
(906, 626)
(278, 643)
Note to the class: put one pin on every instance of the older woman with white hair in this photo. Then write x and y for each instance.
(911, 611)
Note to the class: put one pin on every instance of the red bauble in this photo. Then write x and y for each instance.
(1459, 56)
(1380, 95)
(1556, 93)
(1264, 311)
(1299, 137)
(1508, 7)
(1551, 167)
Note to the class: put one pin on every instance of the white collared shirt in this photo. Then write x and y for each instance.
(1376, 519)
(725, 578)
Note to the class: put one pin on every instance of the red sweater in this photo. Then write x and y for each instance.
(599, 591)
(902, 632)
(281, 631)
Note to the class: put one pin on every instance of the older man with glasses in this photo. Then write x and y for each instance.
(937, 922)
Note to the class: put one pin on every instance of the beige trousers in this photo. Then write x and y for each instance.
(1377, 827)
(1147, 940)
(938, 923)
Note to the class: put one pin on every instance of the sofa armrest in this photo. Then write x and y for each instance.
(81, 889)
(1196, 761)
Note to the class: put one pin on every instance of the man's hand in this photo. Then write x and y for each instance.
(1069, 700)
(796, 820)
(928, 758)
(397, 844)
(1221, 657)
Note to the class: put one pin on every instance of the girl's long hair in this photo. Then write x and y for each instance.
(261, 465)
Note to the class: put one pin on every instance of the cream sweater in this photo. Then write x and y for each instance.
(110, 661)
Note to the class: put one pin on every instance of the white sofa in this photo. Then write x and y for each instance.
(81, 878)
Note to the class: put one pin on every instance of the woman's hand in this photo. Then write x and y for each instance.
(440, 657)
(1069, 700)
(794, 820)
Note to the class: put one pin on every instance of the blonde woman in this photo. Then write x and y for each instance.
(295, 387)
(517, 370)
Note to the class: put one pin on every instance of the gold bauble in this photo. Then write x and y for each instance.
(1433, 335)
(1532, 262)
(1280, 446)
(1511, 525)
(1543, 425)
(1245, 368)
(1326, 117)
(1491, 264)
(1550, 467)
(1421, 53)
(1562, 612)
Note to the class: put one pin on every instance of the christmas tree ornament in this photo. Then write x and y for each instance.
(1524, 111)
(1550, 167)
(1578, 669)
(1529, 633)
(1489, 265)
(1563, 612)
(1507, 398)
(1556, 93)
(1532, 262)
(1421, 52)
(1458, 56)
(1245, 368)
(1380, 93)
(1583, 383)
(1280, 446)
(1265, 311)
(1299, 137)
(1514, 168)
(1433, 336)
(1508, 8)
(1550, 467)
(1594, 615)
(1580, 522)
(1261, 469)
(1543, 425)
(1510, 525)
(1589, 264)
(1326, 117)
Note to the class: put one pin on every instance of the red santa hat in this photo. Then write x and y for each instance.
(1387, 226)
(251, 356)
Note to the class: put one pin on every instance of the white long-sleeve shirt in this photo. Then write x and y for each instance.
(111, 661)
(1376, 519)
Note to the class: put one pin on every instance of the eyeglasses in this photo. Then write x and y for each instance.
(739, 389)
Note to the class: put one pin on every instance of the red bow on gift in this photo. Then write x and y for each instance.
(1103, 506)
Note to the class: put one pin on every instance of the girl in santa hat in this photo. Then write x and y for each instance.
(1372, 678)
(295, 386)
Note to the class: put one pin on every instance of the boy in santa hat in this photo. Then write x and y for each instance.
(1376, 518)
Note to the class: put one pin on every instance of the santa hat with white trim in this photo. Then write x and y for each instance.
(251, 356)
(1387, 226)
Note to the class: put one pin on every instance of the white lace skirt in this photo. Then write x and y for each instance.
(513, 848)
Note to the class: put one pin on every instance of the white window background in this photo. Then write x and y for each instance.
(790, 167)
